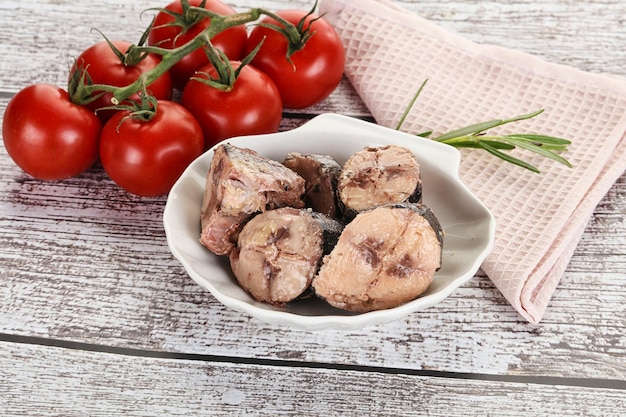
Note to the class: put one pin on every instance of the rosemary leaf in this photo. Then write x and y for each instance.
(469, 130)
(508, 158)
(539, 150)
(474, 142)
(410, 106)
(522, 117)
(553, 146)
(545, 140)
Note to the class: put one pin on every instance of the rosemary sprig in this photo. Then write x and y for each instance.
(475, 136)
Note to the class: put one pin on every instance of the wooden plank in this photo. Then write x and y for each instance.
(48, 381)
(561, 31)
(567, 32)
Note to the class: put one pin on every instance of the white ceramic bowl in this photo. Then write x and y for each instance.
(469, 226)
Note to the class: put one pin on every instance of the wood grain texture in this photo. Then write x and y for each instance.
(83, 261)
(52, 381)
(585, 35)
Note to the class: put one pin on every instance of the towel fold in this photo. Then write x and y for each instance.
(540, 217)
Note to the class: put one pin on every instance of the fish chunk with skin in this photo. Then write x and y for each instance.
(385, 257)
(379, 175)
(278, 254)
(321, 173)
(240, 184)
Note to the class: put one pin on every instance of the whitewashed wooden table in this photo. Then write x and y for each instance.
(98, 319)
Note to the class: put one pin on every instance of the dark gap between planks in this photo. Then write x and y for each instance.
(142, 353)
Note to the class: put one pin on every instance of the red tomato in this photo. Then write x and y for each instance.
(47, 135)
(252, 106)
(318, 65)
(231, 41)
(147, 157)
(105, 67)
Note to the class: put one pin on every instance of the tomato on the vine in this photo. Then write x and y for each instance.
(146, 157)
(251, 106)
(173, 28)
(104, 66)
(49, 136)
(315, 69)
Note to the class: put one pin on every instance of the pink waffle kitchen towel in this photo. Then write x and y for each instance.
(540, 217)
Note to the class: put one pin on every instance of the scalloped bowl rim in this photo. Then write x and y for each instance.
(468, 224)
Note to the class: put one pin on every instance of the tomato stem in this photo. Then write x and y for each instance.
(297, 35)
(86, 92)
(169, 57)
